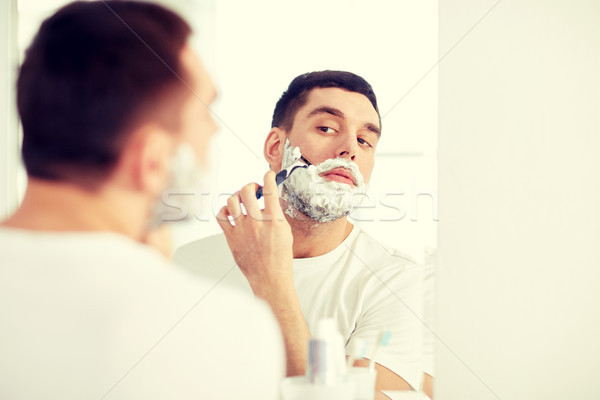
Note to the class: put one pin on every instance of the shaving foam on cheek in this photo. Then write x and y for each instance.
(290, 154)
(320, 199)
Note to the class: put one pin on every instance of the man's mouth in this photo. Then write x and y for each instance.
(340, 174)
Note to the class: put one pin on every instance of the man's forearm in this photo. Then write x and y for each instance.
(287, 310)
(261, 242)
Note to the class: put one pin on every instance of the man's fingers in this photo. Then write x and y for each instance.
(245, 200)
(223, 220)
(248, 195)
(271, 195)
(233, 205)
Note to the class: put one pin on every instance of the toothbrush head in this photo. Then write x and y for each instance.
(362, 348)
(358, 348)
(384, 338)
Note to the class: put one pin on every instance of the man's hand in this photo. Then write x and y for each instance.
(261, 244)
(261, 240)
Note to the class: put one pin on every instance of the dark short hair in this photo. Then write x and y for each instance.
(93, 71)
(297, 93)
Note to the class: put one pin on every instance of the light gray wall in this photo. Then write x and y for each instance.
(518, 305)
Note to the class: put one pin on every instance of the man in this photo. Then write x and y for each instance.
(337, 271)
(111, 97)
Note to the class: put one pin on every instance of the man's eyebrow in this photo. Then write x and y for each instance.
(326, 110)
(373, 128)
(338, 113)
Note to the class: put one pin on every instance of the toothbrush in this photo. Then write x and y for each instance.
(358, 350)
(382, 340)
(301, 162)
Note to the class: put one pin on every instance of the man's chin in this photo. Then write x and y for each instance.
(300, 211)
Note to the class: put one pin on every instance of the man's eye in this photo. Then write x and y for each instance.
(326, 129)
(364, 142)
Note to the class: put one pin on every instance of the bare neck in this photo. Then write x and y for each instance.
(312, 238)
(58, 206)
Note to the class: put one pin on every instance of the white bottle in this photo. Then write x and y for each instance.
(326, 377)
(326, 359)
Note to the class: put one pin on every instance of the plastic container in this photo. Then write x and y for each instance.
(299, 388)
(364, 382)
(326, 360)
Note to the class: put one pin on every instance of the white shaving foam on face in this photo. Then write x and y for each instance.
(320, 199)
(295, 152)
(290, 154)
(291, 211)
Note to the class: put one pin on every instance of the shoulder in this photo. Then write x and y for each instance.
(208, 319)
(132, 299)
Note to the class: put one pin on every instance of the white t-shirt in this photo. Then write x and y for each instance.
(99, 316)
(365, 286)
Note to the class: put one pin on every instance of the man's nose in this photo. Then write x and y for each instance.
(347, 146)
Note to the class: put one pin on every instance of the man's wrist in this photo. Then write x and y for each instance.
(281, 289)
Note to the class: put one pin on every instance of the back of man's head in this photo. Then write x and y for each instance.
(297, 93)
(93, 72)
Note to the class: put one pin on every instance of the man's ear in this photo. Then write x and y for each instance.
(148, 157)
(274, 148)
